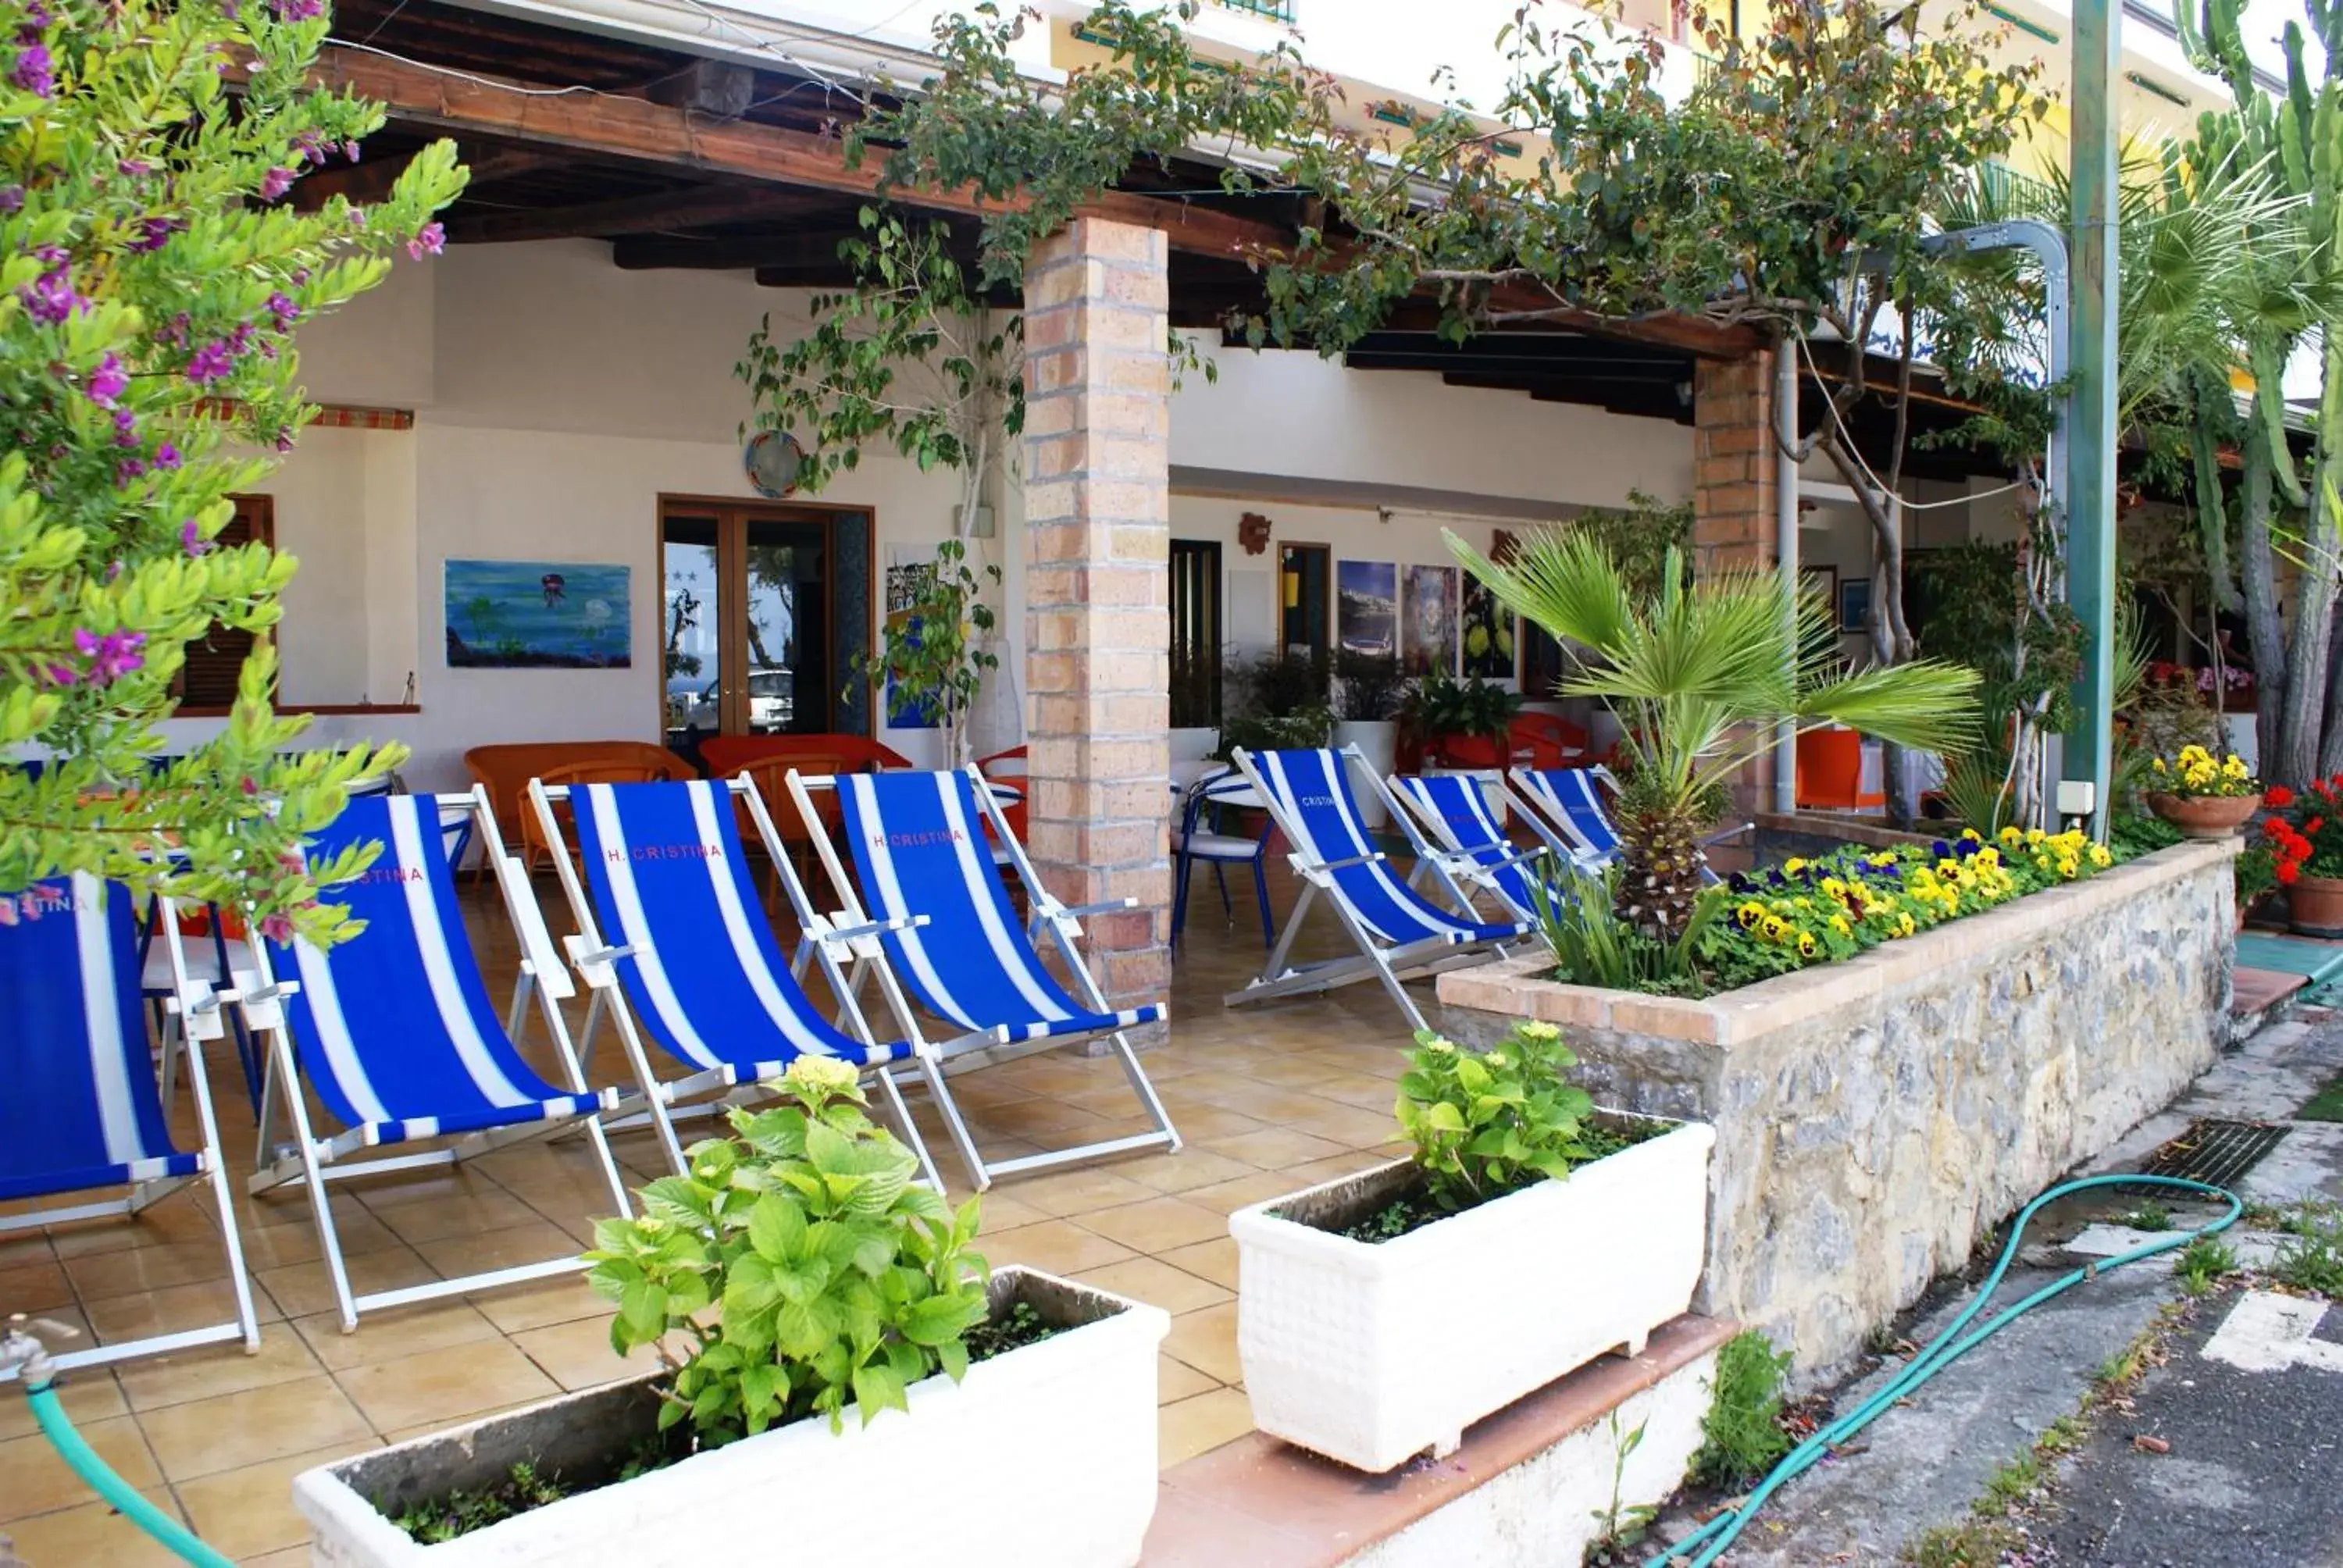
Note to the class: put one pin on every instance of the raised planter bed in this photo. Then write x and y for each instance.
(1044, 1457)
(1350, 1348)
(1873, 1118)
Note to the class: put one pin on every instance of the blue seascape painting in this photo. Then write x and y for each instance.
(538, 615)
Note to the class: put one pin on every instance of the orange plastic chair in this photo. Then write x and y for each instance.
(1830, 773)
(611, 772)
(1551, 740)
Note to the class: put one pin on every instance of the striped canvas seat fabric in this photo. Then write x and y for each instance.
(78, 1106)
(1458, 805)
(393, 1028)
(919, 849)
(702, 967)
(1571, 801)
(1313, 799)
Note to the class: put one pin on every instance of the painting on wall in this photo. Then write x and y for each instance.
(1488, 634)
(1428, 621)
(538, 615)
(1366, 614)
(1821, 584)
(910, 573)
(1854, 604)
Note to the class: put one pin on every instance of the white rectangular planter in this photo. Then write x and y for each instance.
(1372, 1352)
(1042, 1458)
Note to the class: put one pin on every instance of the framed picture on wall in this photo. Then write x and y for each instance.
(1427, 644)
(1366, 608)
(1854, 604)
(1821, 582)
(1488, 631)
(537, 615)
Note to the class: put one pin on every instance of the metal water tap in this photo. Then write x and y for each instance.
(20, 1352)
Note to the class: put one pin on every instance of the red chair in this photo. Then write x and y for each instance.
(1551, 740)
(1830, 773)
(725, 755)
(1008, 768)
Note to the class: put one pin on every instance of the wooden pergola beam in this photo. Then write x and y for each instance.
(614, 126)
(660, 210)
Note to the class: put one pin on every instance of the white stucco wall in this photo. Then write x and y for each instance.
(557, 397)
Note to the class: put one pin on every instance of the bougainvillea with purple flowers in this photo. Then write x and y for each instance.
(152, 273)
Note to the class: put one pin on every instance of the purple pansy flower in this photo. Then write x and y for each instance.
(107, 383)
(210, 363)
(33, 71)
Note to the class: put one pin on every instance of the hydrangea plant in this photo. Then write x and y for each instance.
(1485, 1123)
(800, 1265)
(153, 274)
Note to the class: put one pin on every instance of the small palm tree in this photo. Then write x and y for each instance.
(1698, 676)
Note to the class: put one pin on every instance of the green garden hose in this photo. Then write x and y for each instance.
(86, 1463)
(1713, 1538)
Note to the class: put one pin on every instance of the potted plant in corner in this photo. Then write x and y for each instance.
(1369, 693)
(795, 1276)
(2203, 797)
(1593, 1224)
(2306, 835)
(1461, 726)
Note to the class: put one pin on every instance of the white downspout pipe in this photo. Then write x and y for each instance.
(1786, 551)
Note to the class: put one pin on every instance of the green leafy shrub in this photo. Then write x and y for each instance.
(153, 272)
(1742, 1435)
(827, 1274)
(2313, 1259)
(1485, 1123)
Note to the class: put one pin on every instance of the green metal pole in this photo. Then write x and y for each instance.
(2090, 487)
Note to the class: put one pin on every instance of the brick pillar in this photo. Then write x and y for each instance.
(1732, 462)
(1098, 626)
(1733, 523)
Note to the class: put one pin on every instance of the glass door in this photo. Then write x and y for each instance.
(763, 608)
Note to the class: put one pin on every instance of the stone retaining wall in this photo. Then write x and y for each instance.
(1875, 1118)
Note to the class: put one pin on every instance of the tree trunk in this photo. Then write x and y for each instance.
(2306, 711)
(2265, 630)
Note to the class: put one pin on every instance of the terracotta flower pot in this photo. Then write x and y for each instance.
(2205, 816)
(2315, 905)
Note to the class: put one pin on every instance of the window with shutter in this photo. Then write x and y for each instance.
(209, 678)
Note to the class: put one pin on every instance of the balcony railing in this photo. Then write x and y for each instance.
(1276, 10)
(2010, 191)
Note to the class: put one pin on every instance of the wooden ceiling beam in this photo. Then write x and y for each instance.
(688, 209)
(371, 182)
(613, 125)
(729, 253)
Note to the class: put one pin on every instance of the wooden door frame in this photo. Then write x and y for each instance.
(1328, 597)
(731, 514)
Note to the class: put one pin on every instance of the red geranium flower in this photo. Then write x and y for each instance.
(2313, 826)
(2279, 795)
(2288, 871)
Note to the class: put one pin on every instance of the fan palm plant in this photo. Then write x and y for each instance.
(1698, 675)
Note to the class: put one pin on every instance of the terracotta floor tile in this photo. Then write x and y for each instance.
(433, 1428)
(517, 1308)
(1213, 1260)
(534, 1242)
(89, 1396)
(1228, 1197)
(136, 1271)
(1201, 1121)
(306, 1288)
(1176, 1381)
(212, 1435)
(1364, 1091)
(1003, 1209)
(1157, 1283)
(1207, 1340)
(1199, 1424)
(39, 1481)
(1347, 1124)
(434, 1218)
(578, 1355)
(24, 1248)
(1335, 1166)
(177, 1220)
(290, 1557)
(388, 1335)
(34, 1287)
(244, 1512)
(1182, 1173)
(1079, 1191)
(93, 1536)
(282, 1246)
(1060, 1246)
(173, 1310)
(1156, 1225)
(445, 1385)
(208, 1372)
(1275, 1147)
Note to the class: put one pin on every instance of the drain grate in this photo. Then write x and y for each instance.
(2214, 1151)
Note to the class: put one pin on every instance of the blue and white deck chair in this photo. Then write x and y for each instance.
(1567, 810)
(1455, 809)
(1398, 930)
(394, 1032)
(919, 847)
(689, 952)
(78, 1107)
